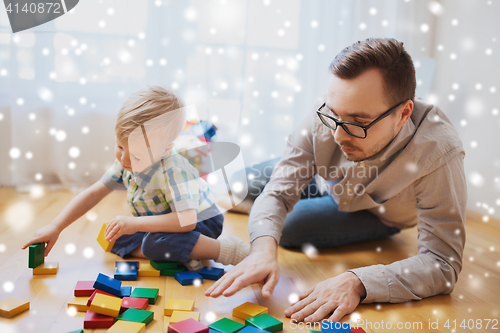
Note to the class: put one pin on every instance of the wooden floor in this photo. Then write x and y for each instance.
(476, 295)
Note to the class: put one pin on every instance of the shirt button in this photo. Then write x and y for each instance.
(362, 164)
(345, 203)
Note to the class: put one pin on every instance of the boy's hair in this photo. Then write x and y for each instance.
(154, 110)
(386, 54)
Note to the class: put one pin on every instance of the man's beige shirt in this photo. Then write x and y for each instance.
(416, 180)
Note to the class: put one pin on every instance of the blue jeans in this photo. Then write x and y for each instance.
(165, 246)
(316, 219)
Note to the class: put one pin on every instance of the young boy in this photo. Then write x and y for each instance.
(175, 218)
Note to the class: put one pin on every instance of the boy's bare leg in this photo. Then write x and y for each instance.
(137, 252)
(205, 248)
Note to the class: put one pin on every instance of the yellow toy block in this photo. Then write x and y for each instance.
(122, 326)
(146, 269)
(178, 316)
(80, 303)
(106, 246)
(178, 305)
(46, 268)
(10, 306)
(247, 310)
(106, 305)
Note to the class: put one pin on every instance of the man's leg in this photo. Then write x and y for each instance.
(317, 221)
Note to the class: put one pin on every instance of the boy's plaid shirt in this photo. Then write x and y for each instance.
(148, 193)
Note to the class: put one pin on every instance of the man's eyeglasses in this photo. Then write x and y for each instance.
(356, 130)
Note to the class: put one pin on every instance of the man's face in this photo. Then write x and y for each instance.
(361, 100)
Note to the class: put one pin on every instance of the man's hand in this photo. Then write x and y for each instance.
(120, 225)
(47, 234)
(260, 266)
(340, 295)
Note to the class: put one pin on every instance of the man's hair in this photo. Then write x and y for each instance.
(386, 54)
(149, 107)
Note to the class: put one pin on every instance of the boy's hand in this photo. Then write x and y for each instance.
(120, 225)
(47, 234)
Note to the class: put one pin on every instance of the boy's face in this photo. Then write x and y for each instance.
(134, 154)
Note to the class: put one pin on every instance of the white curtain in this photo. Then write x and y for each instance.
(252, 67)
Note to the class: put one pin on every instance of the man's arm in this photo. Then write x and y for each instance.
(441, 203)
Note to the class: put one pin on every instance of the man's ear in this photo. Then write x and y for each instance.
(406, 113)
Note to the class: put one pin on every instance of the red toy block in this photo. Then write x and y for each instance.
(135, 303)
(357, 330)
(84, 288)
(97, 291)
(187, 326)
(95, 320)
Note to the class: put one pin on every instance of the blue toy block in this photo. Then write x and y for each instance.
(108, 284)
(252, 329)
(126, 270)
(187, 277)
(334, 327)
(125, 291)
(211, 273)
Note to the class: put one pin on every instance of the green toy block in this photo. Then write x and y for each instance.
(137, 315)
(172, 271)
(36, 257)
(150, 293)
(77, 331)
(159, 265)
(265, 322)
(226, 325)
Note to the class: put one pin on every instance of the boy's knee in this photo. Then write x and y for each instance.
(155, 246)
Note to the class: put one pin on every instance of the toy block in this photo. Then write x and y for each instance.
(95, 320)
(357, 330)
(122, 326)
(137, 315)
(187, 326)
(187, 277)
(97, 291)
(35, 255)
(125, 291)
(265, 322)
(226, 325)
(134, 303)
(10, 307)
(247, 310)
(106, 246)
(150, 293)
(178, 316)
(172, 271)
(46, 268)
(333, 326)
(148, 270)
(211, 273)
(84, 288)
(77, 331)
(108, 284)
(252, 329)
(178, 305)
(126, 270)
(106, 305)
(313, 331)
(160, 265)
(80, 303)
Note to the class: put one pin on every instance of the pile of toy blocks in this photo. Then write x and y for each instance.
(256, 318)
(108, 304)
(36, 261)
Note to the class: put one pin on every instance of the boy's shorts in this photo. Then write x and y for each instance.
(175, 246)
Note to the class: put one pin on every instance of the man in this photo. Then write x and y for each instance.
(396, 162)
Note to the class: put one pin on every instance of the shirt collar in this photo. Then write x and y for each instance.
(142, 179)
